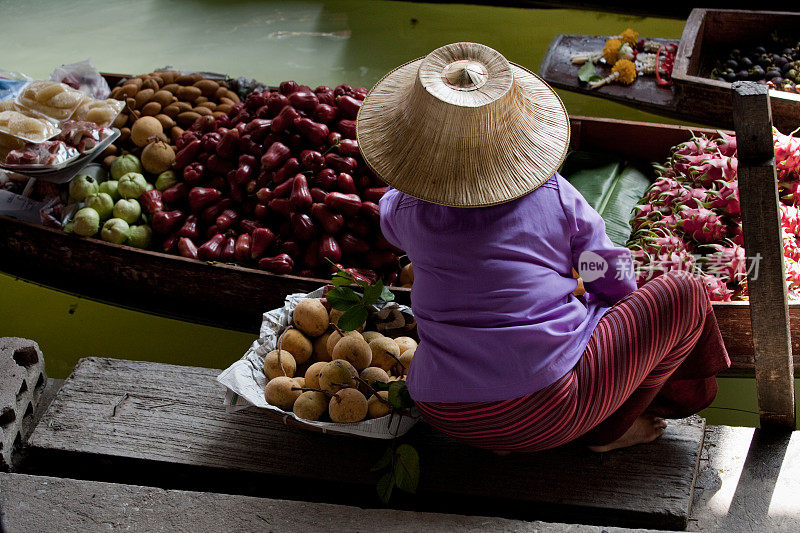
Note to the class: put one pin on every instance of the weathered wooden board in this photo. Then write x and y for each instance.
(49, 504)
(762, 240)
(165, 425)
(558, 70)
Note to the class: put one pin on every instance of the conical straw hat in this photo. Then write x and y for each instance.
(463, 127)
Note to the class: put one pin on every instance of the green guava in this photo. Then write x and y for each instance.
(132, 185)
(140, 236)
(124, 164)
(82, 186)
(115, 230)
(86, 222)
(101, 202)
(128, 210)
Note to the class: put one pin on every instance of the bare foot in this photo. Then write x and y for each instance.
(646, 428)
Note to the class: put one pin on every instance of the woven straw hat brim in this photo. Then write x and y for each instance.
(470, 156)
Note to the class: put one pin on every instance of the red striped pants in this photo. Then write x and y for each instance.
(657, 350)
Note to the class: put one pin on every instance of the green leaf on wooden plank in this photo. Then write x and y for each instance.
(353, 317)
(586, 72)
(385, 486)
(406, 468)
(610, 185)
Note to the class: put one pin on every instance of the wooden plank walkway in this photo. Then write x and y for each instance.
(48, 504)
(165, 425)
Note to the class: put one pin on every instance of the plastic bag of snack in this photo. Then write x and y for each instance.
(83, 135)
(12, 83)
(22, 123)
(83, 77)
(48, 153)
(101, 112)
(55, 100)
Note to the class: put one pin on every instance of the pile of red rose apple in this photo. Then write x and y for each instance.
(278, 182)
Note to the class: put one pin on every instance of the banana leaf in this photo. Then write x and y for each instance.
(611, 185)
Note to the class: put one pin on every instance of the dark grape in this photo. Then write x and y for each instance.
(772, 73)
(730, 76)
(732, 63)
(742, 75)
(745, 62)
(757, 73)
(760, 50)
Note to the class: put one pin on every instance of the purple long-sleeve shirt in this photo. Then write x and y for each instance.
(493, 287)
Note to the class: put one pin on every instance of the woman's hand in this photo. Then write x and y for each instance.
(579, 290)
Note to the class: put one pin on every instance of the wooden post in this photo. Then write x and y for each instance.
(769, 312)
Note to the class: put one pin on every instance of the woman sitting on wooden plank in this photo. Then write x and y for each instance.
(510, 358)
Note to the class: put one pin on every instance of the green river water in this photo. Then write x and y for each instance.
(328, 42)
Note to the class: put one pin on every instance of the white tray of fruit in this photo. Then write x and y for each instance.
(322, 381)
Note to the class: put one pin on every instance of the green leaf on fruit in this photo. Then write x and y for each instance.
(384, 461)
(381, 385)
(385, 486)
(387, 295)
(342, 298)
(399, 396)
(595, 78)
(587, 71)
(372, 293)
(353, 318)
(406, 468)
(341, 281)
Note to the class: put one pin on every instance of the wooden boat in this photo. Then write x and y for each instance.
(693, 97)
(235, 297)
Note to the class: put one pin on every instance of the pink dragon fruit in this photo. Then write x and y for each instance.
(790, 191)
(790, 219)
(672, 200)
(726, 144)
(727, 262)
(644, 215)
(735, 233)
(657, 241)
(649, 267)
(792, 269)
(791, 246)
(663, 184)
(787, 152)
(716, 289)
(725, 199)
(701, 224)
(695, 146)
(705, 169)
